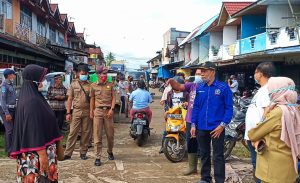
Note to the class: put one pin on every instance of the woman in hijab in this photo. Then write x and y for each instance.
(277, 138)
(36, 132)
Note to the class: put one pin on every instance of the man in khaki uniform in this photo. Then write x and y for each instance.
(78, 94)
(101, 110)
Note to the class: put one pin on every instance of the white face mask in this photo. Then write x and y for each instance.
(198, 79)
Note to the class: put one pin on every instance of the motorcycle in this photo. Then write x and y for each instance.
(235, 130)
(174, 145)
(139, 129)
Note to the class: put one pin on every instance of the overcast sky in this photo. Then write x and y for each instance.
(133, 29)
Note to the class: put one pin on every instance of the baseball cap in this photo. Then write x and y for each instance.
(208, 65)
(8, 72)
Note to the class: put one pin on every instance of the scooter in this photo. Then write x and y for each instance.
(139, 129)
(174, 145)
(235, 130)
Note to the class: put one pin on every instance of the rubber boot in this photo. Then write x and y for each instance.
(192, 167)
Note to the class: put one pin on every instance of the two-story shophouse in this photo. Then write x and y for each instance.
(35, 32)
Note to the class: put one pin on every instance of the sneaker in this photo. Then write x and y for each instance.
(110, 156)
(67, 157)
(97, 162)
(83, 157)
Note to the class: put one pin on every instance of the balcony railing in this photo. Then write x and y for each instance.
(283, 37)
(253, 44)
(40, 40)
(21, 32)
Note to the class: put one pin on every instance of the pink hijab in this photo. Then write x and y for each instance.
(282, 94)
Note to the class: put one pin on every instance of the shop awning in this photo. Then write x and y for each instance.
(164, 73)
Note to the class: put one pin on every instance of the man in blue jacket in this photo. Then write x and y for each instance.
(213, 109)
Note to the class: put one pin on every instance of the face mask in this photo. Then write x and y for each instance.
(83, 77)
(198, 79)
(256, 82)
(103, 78)
(11, 80)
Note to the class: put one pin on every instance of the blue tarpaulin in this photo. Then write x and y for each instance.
(164, 73)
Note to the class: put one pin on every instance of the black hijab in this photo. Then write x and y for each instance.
(35, 124)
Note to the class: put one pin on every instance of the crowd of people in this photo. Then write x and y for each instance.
(272, 123)
(33, 125)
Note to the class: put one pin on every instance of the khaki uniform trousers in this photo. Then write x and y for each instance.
(80, 121)
(101, 121)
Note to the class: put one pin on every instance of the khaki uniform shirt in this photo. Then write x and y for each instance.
(80, 101)
(275, 164)
(103, 94)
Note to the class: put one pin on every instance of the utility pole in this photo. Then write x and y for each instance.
(295, 16)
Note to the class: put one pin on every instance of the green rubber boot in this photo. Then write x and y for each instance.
(192, 166)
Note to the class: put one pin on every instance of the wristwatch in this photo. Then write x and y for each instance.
(223, 124)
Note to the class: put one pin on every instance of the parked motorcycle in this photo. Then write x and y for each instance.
(174, 146)
(235, 130)
(139, 129)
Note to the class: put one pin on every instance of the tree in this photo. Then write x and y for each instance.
(109, 58)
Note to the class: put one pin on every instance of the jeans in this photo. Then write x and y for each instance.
(123, 104)
(253, 157)
(204, 143)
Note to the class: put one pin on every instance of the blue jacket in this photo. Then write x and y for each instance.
(213, 105)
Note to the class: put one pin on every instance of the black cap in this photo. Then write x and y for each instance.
(8, 72)
(208, 65)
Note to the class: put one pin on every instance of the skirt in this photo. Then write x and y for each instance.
(28, 168)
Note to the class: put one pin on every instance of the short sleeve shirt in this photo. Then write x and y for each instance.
(80, 100)
(140, 98)
(256, 109)
(103, 94)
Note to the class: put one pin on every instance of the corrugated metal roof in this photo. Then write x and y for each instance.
(233, 7)
(199, 30)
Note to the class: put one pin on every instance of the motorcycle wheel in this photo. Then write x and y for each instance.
(228, 146)
(171, 152)
(139, 140)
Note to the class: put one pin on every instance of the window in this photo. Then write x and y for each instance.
(41, 27)
(26, 20)
(52, 35)
(238, 32)
(6, 8)
(61, 40)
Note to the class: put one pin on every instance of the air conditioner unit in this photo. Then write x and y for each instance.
(2, 23)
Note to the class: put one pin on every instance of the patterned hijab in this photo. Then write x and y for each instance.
(282, 94)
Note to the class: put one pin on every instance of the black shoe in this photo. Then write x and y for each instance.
(110, 156)
(90, 146)
(83, 156)
(78, 138)
(161, 150)
(67, 157)
(97, 162)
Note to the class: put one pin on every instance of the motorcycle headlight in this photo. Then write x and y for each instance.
(175, 128)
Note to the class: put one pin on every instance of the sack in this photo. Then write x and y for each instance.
(60, 151)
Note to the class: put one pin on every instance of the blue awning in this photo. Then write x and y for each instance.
(164, 73)
(291, 49)
(199, 30)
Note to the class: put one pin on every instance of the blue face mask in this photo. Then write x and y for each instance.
(83, 77)
(256, 82)
(198, 79)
